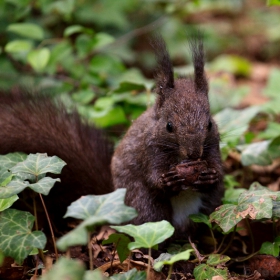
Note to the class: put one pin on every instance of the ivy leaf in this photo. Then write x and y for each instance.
(226, 217)
(65, 269)
(11, 159)
(200, 218)
(148, 234)
(132, 274)
(204, 271)
(121, 242)
(183, 256)
(43, 186)
(39, 164)
(16, 238)
(233, 123)
(269, 248)
(29, 30)
(96, 210)
(215, 259)
(7, 202)
(256, 203)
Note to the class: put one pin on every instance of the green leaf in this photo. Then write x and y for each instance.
(70, 30)
(256, 153)
(216, 259)
(102, 39)
(132, 274)
(94, 275)
(16, 186)
(16, 238)
(204, 271)
(233, 123)
(148, 234)
(39, 164)
(272, 2)
(95, 210)
(231, 63)
(200, 218)
(65, 269)
(121, 242)
(272, 131)
(269, 248)
(29, 30)
(129, 86)
(272, 86)
(7, 202)
(226, 217)
(19, 46)
(109, 117)
(256, 203)
(183, 256)
(9, 160)
(39, 59)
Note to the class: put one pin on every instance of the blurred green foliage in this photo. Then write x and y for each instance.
(96, 56)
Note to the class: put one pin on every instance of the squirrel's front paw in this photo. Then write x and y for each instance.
(172, 179)
(208, 176)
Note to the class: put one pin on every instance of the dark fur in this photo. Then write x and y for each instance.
(33, 124)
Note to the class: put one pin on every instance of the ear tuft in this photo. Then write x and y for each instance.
(164, 73)
(200, 81)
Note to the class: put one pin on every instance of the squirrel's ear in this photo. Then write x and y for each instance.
(164, 73)
(200, 81)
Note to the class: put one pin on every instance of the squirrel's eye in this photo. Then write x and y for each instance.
(169, 127)
(209, 125)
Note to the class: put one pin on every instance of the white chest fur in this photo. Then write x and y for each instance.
(185, 203)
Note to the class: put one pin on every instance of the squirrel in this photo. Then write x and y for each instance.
(174, 137)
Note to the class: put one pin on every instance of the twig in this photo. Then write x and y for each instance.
(90, 252)
(50, 225)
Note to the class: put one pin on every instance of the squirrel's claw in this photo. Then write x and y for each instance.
(207, 177)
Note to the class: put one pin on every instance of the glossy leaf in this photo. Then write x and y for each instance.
(121, 242)
(16, 238)
(183, 256)
(148, 234)
(7, 202)
(96, 210)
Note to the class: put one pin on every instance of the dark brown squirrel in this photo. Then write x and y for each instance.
(174, 139)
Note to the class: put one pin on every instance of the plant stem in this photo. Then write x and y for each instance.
(90, 252)
(169, 272)
(214, 239)
(50, 225)
(149, 264)
(245, 258)
(230, 241)
(251, 235)
(221, 244)
(35, 211)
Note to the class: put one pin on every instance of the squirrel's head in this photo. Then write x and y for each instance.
(182, 107)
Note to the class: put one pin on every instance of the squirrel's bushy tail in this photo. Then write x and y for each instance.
(32, 124)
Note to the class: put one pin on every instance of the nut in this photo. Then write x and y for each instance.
(190, 171)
